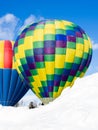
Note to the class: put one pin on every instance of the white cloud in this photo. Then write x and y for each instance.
(95, 45)
(8, 26)
(31, 19)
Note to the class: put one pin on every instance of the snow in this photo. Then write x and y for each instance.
(75, 109)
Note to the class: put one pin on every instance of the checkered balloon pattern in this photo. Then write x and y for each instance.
(51, 54)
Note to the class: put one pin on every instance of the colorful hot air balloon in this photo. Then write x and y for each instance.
(12, 88)
(50, 55)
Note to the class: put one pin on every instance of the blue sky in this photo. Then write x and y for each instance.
(17, 13)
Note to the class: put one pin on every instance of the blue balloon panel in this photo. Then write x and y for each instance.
(12, 88)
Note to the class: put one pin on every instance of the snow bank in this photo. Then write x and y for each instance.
(75, 109)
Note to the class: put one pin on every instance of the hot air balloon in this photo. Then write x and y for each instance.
(12, 88)
(50, 55)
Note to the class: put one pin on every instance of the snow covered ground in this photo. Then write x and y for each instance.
(75, 109)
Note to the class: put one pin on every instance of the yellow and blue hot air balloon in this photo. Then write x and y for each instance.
(12, 88)
(50, 55)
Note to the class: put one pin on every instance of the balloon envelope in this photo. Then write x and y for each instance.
(51, 54)
(12, 88)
